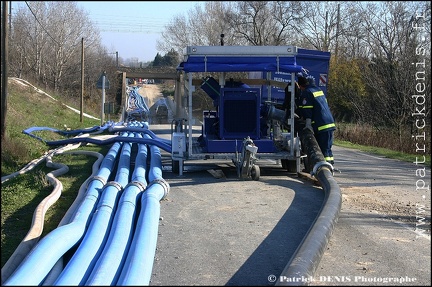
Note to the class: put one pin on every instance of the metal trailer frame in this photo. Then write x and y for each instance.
(185, 145)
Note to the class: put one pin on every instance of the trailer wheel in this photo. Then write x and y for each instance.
(175, 165)
(291, 166)
(284, 163)
(255, 172)
(306, 164)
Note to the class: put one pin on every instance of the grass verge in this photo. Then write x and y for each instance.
(386, 152)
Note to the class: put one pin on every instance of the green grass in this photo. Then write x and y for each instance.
(22, 194)
(27, 108)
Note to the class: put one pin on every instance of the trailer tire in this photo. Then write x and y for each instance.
(291, 166)
(255, 172)
(284, 163)
(175, 165)
(306, 164)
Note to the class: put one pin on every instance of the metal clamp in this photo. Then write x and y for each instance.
(142, 186)
(320, 165)
(97, 177)
(164, 184)
(115, 184)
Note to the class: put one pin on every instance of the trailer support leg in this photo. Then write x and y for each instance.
(246, 165)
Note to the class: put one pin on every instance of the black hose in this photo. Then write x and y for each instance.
(303, 264)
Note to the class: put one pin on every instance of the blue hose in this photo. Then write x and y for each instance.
(80, 265)
(49, 249)
(115, 228)
(108, 267)
(138, 267)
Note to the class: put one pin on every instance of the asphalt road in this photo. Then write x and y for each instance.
(228, 231)
(383, 233)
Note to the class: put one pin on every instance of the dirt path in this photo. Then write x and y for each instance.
(151, 93)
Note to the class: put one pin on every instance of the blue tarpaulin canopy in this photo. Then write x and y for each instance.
(239, 64)
(240, 59)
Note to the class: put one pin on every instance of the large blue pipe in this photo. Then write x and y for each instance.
(141, 129)
(104, 266)
(80, 265)
(139, 100)
(138, 267)
(58, 267)
(160, 143)
(108, 267)
(92, 130)
(47, 252)
(132, 126)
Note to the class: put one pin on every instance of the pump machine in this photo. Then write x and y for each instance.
(247, 85)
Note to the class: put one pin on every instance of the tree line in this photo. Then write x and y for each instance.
(380, 64)
(373, 46)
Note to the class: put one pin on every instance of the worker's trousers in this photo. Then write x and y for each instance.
(325, 142)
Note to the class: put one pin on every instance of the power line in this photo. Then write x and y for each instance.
(128, 30)
(129, 26)
(43, 28)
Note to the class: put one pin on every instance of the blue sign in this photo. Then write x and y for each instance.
(99, 83)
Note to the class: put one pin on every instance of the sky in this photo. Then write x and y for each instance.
(132, 28)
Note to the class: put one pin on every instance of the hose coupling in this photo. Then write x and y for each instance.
(162, 183)
(97, 177)
(116, 184)
(317, 167)
(142, 186)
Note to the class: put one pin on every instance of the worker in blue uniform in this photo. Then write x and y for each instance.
(316, 112)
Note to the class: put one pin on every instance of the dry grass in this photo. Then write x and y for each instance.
(367, 135)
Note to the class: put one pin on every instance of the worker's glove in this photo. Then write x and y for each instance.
(309, 125)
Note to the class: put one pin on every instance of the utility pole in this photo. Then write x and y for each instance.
(10, 17)
(82, 81)
(4, 71)
(103, 84)
(103, 97)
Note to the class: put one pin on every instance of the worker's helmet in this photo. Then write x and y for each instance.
(304, 78)
(302, 81)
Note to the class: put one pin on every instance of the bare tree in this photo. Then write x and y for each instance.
(322, 24)
(390, 73)
(202, 26)
(262, 23)
(348, 42)
(28, 40)
(253, 22)
(68, 25)
(242, 23)
(285, 14)
(46, 45)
